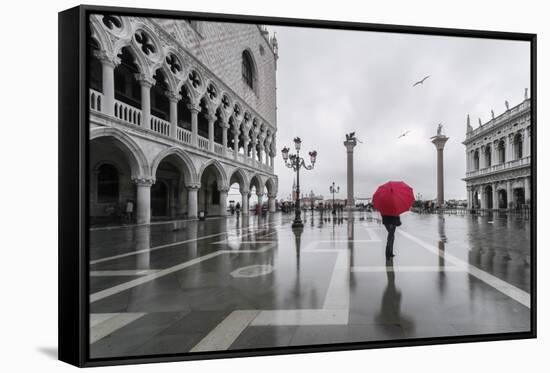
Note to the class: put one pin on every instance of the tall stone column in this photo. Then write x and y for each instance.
(509, 196)
(528, 141)
(223, 200)
(244, 201)
(261, 153)
(174, 98)
(211, 117)
(527, 189)
(483, 197)
(482, 163)
(192, 200)
(108, 65)
(235, 143)
(143, 208)
(350, 143)
(194, 109)
(260, 196)
(146, 83)
(271, 202)
(225, 127)
(439, 142)
(245, 145)
(495, 196)
(509, 154)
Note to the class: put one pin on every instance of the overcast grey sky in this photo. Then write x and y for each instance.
(331, 82)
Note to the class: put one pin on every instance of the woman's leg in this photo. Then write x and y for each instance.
(391, 238)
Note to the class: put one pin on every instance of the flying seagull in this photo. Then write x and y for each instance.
(421, 81)
(403, 134)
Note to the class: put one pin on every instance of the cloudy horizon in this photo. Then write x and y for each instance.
(331, 82)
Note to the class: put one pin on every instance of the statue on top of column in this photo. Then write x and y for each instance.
(350, 136)
(492, 114)
(440, 129)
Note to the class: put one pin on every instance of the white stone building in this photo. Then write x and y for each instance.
(498, 160)
(179, 111)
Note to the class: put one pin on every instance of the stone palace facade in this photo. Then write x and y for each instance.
(180, 110)
(498, 160)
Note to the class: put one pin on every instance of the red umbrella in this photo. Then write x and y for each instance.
(393, 198)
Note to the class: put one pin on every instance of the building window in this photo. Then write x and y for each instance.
(476, 160)
(518, 146)
(248, 69)
(107, 184)
(487, 156)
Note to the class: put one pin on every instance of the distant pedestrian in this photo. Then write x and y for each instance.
(391, 223)
(129, 210)
(238, 209)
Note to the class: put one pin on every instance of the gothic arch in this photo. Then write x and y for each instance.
(138, 162)
(271, 185)
(241, 178)
(186, 164)
(221, 174)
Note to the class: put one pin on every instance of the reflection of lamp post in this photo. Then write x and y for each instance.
(333, 190)
(295, 162)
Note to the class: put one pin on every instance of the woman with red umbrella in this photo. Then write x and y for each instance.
(392, 199)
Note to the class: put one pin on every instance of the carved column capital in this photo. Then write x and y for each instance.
(173, 97)
(143, 181)
(194, 186)
(145, 80)
(107, 58)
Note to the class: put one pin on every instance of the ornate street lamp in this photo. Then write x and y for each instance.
(333, 189)
(295, 162)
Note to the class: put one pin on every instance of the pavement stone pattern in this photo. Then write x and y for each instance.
(227, 284)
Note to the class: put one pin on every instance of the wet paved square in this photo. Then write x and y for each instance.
(255, 283)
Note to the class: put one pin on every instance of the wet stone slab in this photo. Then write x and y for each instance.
(256, 283)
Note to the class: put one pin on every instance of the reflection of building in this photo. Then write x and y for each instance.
(498, 153)
(178, 114)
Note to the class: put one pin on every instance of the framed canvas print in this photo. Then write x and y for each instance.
(234, 186)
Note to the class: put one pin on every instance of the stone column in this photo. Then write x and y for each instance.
(525, 143)
(211, 117)
(146, 83)
(192, 199)
(174, 99)
(235, 143)
(261, 153)
(509, 148)
(494, 156)
(195, 109)
(483, 197)
(495, 196)
(482, 163)
(271, 202)
(245, 145)
(143, 208)
(244, 202)
(527, 188)
(528, 141)
(468, 198)
(439, 142)
(225, 127)
(108, 65)
(509, 196)
(223, 200)
(260, 196)
(350, 143)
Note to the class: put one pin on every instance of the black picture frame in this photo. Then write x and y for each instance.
(73, 183)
